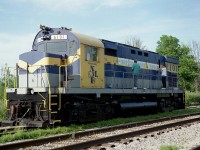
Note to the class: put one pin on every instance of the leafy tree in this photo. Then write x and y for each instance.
(188, 70)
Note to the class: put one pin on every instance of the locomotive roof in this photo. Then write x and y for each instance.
(84, 39)
(115, 46)
(92, 41)
(88, 40)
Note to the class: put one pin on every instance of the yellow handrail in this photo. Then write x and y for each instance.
(60, 85)
(49, 88)
(44, 99)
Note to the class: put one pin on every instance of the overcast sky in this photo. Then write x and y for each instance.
(114, 20)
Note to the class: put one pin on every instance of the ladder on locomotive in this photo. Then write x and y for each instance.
(54, 109)
(53, 102)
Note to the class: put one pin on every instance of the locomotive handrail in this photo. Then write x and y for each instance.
(59, 83)
(7, 80)
(48, 82)
(59, 86)
(49, 88)
(130, 73)
(114, 76)
(8, 84)
(172, 81)
(115, 72)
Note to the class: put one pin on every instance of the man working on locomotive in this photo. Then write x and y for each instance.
(135, 69)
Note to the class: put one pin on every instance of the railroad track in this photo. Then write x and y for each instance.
(78, 141)
(196, 148)
(97, 143)
(193, 106)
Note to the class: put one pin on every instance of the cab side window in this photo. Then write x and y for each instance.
(91, 53)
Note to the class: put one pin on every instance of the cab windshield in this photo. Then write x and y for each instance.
(52, 47)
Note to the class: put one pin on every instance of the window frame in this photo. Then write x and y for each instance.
(47, 50)
(111, 52)
(146, 54)
(90, 55)
(133, 51)
(139, 53)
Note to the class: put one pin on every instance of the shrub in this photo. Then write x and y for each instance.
(2, 111)
(192, 98)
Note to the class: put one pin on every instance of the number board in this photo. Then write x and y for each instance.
(172, 67)
(58, 37)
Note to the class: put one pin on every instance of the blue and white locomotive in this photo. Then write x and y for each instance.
(69, 77)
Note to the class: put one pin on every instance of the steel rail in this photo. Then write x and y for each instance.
(104, 140)
(196, 148)
(35, 142)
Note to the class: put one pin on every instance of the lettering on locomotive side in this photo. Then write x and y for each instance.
(144, 65)
(172, 67)
(58, 37)
(92, 74)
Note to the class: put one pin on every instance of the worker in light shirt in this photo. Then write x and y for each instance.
(163, 75)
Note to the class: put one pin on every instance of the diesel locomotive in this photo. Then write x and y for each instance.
(70, 77)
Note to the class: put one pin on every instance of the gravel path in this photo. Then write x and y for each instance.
(184, 138)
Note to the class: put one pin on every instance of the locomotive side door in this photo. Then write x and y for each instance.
(92, 66)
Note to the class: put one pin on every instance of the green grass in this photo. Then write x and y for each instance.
(168, 147)
(139, 118)
(34, 134)
(2, 112)
(20, 135)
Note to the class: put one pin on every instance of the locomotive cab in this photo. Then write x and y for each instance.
(65, 57)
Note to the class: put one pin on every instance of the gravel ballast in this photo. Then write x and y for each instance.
(184, 138)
